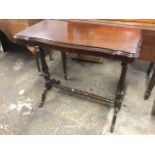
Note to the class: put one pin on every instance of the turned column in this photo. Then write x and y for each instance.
(120, 92)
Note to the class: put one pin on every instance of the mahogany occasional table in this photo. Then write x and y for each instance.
(114, 42)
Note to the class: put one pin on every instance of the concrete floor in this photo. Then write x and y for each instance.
(63, 113)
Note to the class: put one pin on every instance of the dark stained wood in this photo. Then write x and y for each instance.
(153, 108)
(120, 93)
(46, 76)
(64, 63)
(37, 61)
(84, 36)
(150, 86)
(150, 69)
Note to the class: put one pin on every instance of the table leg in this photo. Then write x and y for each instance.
(120, 92)
(64, 62)
(46, 75)
(150, 68)
(150, 86)
(153, 108)
(37, 61)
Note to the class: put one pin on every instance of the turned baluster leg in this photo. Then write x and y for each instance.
(150, 68)
(150, 86)
(120, 92)
(46, 75)
(153, 108)
(37, 61)
(64, 62)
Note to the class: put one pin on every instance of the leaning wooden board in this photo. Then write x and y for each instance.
(11, 26)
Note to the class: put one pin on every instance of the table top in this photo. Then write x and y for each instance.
(93, 37)
(144, 24)
(147, 52)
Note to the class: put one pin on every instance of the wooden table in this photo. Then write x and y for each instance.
(113, 42)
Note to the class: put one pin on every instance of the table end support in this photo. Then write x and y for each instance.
(120, 92)
(46, 75)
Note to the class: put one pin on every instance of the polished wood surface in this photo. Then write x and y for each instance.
(147, 50)
(147, 24)
(86, 36)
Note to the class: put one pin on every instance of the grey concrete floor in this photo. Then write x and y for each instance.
(64, 113)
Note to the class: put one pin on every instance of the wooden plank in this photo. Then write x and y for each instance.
(11, 26)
